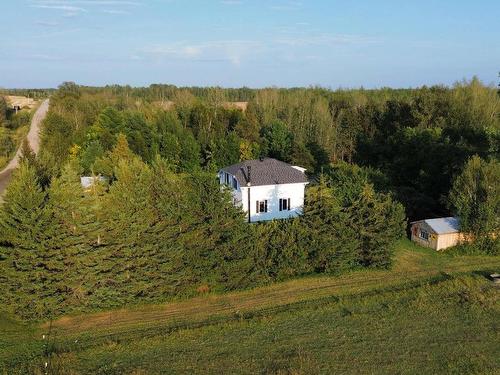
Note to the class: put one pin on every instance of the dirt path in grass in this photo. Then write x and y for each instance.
(410, 267)
(34, 142)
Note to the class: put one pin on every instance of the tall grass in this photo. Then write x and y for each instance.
(432, 313)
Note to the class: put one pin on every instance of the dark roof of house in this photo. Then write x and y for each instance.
(266, 171)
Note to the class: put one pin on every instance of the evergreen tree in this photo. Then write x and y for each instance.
(24, 225)
(302, 157)
(127, 217)
(23, 217)
(332, 241)
(215, 234)
(69, 237)
(282, 249)
(190, 153)
(277, 141)
(90, 154)
(30, 158)
(120, 152)
(378, 222)
(475, 198)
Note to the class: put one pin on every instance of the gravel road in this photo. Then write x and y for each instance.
(34, 141)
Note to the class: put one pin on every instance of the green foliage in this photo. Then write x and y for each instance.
(23, 217)
(160, 226)
(277, 140)
(475, 198)
(369, 315)
(190, 153)
(350, 224)
(3, 109)
(25, 228)
(332, 244)
(120, 153)
(281, 249)
(107, 125)
(92, 152)
(7, 144)
(18, 120)
(140, 135)
(379, 222)
(68, 90)
(226, 151)
(418, 139)
(57, 137)
(302, 157)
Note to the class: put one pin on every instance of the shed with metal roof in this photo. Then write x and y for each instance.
(439, 233)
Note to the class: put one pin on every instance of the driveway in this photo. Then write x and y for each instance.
(34, 141)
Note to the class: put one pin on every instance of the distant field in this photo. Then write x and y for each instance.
(432, 313)
(21, 101)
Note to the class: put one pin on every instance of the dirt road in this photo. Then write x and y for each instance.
(34, 141)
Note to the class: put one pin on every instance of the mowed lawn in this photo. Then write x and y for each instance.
(432, 313)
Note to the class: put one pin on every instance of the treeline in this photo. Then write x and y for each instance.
(416, 140)
(159, 226)
(29, 93)
(149, 234)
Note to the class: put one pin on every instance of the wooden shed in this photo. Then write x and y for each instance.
(438, 234)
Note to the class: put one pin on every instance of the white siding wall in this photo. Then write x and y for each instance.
(271, 193)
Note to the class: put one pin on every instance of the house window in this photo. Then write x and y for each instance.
(235, 184)
(226, 178)
(284, 204)
(261, 206)
(424, 235)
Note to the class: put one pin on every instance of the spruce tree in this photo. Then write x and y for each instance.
(332, 242)
(378, 222)
(127, 217)
(24, 224)
(23, 218)
(74, 233)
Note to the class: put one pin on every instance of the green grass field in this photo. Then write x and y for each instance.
(432, 313)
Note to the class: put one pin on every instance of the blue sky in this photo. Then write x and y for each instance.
(256, 43)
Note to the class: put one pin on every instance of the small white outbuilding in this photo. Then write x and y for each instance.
(266, 188)
(88, 182)
(438, 234)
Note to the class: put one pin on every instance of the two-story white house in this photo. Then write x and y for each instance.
(266, 188)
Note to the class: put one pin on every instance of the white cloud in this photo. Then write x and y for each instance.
(223, 50)
(115, 11)
(286, 5)
(47, 24)
(66, 8)
(43, 57)
(56, 33)
(301, 47)
(76, 7)
(326, 40)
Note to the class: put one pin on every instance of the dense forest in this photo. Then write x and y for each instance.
(159, 226)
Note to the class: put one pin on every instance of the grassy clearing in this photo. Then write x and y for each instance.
(19, 343)
(431, 313)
